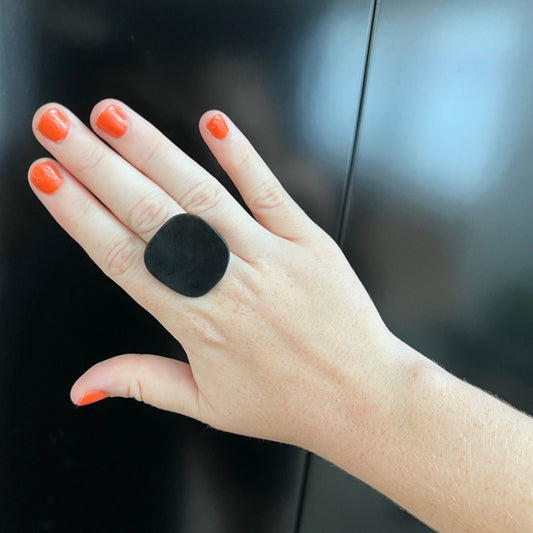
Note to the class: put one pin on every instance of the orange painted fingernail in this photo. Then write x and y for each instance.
(113, 121)
(54, 125)
(92, 397)
(46, 177)
(218, 127)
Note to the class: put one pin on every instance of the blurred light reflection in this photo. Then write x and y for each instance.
(449, 104)
(329, 84)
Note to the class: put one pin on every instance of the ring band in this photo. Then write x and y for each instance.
(188, 255)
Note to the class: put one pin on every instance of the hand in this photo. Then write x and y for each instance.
(287, 341)
(288, 345)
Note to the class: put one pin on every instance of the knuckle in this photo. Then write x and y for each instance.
(136, 387)
(148, 214)
(202, 197)
(242, 295)
(203, 328)
(92, 159)
(151, 151)
(121, 259)
(268, 195)
(83, 213)
(244, 158)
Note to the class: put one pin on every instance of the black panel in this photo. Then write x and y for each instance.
(289, 73)
(439, 228)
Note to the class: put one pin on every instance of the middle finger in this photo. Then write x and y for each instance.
(190, 185)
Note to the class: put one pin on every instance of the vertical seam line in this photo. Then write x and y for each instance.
(343, 220)
(341, 236)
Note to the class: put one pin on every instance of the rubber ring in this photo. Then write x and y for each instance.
(188, 255)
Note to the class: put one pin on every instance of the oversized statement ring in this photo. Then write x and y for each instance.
(187, 255)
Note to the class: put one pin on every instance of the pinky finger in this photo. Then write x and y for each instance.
(113, 247)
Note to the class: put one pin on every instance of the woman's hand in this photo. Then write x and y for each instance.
(273, 344)
(288, 345)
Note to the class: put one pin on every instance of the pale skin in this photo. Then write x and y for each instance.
(288, 346)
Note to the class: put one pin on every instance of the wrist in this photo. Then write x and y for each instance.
(447, 452)
(364, 411)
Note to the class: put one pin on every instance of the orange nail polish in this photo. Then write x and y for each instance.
(91, 397)
(46, 177)
(54, 125)
(113, 121)
(218, 127)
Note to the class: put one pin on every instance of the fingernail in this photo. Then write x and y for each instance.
(46, 177)
(54, 125)
(113, 121)
(92, 397)
(218, 127)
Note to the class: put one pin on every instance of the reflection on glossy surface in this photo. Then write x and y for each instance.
(460, 77)
(119, 466)
(329, 83)
(440, 220)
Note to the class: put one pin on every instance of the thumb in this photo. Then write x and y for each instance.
(158, 381)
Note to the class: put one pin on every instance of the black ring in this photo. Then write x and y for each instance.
(187, 255)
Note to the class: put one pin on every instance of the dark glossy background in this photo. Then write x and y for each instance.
(437, 226)
(120, 466)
